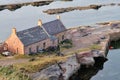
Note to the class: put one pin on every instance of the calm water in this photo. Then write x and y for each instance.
(111, 70)
(27, 17)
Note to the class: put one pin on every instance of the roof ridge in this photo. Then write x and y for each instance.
(38, 26)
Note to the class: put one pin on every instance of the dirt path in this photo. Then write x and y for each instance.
(7, 62)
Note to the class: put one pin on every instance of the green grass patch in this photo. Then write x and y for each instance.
(95, 47)
(92, 47)
(39, 64)
(10, 73)
(66, 44)
(21, 71)
(18, 56)
(66, 41)
(1, 57)
(78, 51)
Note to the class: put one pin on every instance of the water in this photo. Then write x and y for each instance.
(111, 67)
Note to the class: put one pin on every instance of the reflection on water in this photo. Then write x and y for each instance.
(87, 73)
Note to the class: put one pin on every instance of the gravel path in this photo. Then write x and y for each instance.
(7, 62)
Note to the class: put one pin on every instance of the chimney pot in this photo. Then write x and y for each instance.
(39, 22)
(14, 30)
(58, 16)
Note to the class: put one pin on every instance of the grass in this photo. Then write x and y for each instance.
(1, 57)
(78, 51)
(18, 56)
(92, 47)
(10, 73)
(39, 64)
(95, 46)
(66, 44)
(20, 71)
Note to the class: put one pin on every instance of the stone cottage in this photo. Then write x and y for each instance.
(36, 38)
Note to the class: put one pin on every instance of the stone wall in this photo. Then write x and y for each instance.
(60, 36)
(40, 45)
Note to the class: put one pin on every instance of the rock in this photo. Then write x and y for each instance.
(95, 6)
(60, 71)
(85, 59)
(62, 10)
(51, 73)
(15, 6)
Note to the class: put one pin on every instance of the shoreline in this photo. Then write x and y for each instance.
(68, 9)
(14, 6)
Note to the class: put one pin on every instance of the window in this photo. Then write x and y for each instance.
(44, 45)
(53, 42)
(58, 40)
(62, 37)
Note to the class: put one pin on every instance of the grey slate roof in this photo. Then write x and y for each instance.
(36, 34)
(32, 35)
(54, 27)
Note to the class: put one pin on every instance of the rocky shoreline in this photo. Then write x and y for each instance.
(15, 6)
(68, 9)
(64, 70)
(62, 10)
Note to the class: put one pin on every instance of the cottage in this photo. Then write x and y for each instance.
(36, 38)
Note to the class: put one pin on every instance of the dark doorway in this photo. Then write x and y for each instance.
(37, 48)
(58, 40)
(44, 45)
(62, 37)
(17, 51)
(30, 51)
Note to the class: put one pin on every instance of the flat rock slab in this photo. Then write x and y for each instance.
(61, 72)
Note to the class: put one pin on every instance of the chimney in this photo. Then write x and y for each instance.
(110, 23)
(58, 17)
(14, 30)
(39, 22)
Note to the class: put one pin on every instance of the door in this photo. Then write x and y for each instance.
(30, 51)
(37, 48)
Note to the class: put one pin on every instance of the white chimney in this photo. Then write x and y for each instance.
(14, 30)
(58, 16)
(39, 22)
